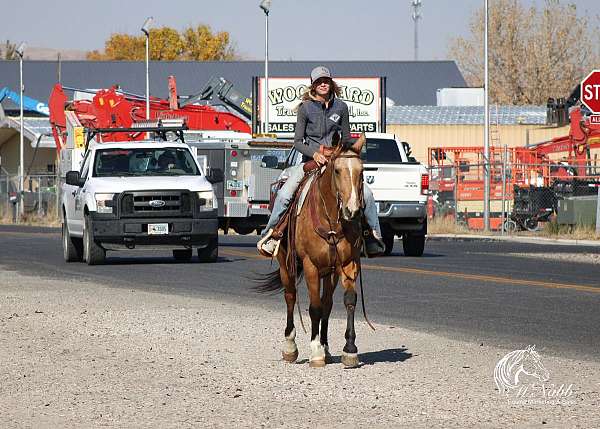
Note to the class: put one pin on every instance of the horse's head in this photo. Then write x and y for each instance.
(533, 366)
(348, 179)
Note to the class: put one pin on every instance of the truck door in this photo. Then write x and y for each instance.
(79, 197)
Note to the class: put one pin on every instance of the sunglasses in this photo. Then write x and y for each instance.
(322, 80)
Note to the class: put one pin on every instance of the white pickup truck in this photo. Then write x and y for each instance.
(400, 185)
(138, 194)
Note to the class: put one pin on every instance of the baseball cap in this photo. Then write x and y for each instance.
(319, 72)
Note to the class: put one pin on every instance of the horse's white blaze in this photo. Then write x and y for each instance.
(353, 202)
(289, 345)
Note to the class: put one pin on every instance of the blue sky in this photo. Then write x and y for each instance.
(299, 29)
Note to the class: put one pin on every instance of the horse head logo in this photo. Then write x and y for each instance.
(518, 363)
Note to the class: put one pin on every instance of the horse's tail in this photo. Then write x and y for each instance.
(271, 282)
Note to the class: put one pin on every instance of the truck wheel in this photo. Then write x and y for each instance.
(388, 240)
(93, 254)
(210, 253)
(244, 230)
(183, 255)
(413, 244)
(72, 247)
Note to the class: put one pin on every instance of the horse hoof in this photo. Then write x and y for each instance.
(290, 357)
(350, 360)
(317, 363)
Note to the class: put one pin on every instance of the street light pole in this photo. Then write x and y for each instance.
(146, 31)
(20, 51)
(486, 128)
(265, 5)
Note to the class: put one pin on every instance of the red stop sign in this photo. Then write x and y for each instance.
(590, 91)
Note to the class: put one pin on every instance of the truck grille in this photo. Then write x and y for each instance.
(158, 203)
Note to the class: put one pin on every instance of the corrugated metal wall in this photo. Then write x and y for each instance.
(421, 137)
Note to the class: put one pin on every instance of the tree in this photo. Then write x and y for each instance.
(533, 54)
(167, 44)
(8, 51)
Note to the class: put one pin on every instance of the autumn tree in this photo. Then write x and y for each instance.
(533, 54)
(167, 44)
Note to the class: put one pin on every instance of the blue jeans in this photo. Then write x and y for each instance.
(285, 194)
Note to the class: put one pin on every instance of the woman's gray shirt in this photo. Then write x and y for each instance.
(316, 125)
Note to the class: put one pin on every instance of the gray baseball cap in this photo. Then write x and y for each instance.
(319, 72)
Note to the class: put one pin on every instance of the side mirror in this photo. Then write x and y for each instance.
(215, 175)
(269, 161)
(73, 178)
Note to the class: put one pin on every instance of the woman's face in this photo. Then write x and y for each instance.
(323, 86)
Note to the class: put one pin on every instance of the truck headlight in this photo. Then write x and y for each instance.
(206, 200)
(104, 203)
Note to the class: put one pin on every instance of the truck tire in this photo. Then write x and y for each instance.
(210, 253)
(413, 245)
(72, 247)
(183, 255)
(388, 239)
(93, 254)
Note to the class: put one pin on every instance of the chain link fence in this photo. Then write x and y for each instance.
(523, 196)
(40, 197)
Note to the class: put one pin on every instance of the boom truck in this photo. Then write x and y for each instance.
(219, 140)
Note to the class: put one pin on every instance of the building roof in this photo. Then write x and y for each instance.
(408, 82)
(465, 115)
(36, 130)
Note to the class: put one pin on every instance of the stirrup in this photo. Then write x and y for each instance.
(267, 237)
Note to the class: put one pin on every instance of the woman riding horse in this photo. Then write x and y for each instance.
(320, 115)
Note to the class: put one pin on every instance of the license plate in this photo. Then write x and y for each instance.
(158, 228)
(235, 185)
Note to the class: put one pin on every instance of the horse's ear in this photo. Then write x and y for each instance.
(335, 139)
(358, 144)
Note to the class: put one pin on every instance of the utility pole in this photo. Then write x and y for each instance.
(486, 127)
(416, 16)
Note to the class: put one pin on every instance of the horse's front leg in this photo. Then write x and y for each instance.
(315, 309)
(350, 351)
(290, 350)
(329, 283)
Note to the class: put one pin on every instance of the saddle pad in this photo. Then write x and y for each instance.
(304, 193)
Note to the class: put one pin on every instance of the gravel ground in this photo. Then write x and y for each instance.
(79, 354)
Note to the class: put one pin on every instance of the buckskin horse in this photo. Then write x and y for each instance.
(324, 242)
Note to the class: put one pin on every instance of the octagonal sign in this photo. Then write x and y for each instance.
(590, 91)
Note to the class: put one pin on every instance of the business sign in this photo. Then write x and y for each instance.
(362, 95)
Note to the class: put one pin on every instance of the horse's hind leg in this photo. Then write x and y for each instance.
(350, 351)
(317, 351)
(290, 350)
(329, 283)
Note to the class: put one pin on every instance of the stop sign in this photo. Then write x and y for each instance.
(590, 91)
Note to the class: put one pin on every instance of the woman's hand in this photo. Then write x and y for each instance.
(320, 158)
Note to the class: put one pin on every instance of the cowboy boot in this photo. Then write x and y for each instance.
(374, 244)
(268, 245)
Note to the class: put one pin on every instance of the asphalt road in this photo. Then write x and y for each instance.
(469, 290)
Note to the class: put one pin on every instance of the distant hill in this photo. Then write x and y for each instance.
(49, 54)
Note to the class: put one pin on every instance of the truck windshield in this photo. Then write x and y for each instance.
(381, 151)
(144, 162)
